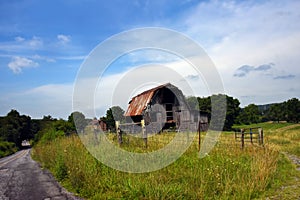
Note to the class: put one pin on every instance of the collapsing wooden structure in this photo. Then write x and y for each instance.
(163, 107)
(99, 125)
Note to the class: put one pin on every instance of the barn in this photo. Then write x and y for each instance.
(164, 107)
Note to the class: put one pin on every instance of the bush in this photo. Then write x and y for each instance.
(60, 169)
(50, 135)
(7, 148)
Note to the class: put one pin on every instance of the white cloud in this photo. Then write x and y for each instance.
(50, 99)
(249, 33)
(38, 57)
(18, 63)
(35, 42)
(94, 96)
(19, 39)
(21, 44)
(63, 39)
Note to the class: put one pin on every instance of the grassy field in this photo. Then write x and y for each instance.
(228, 172)
(282, 136)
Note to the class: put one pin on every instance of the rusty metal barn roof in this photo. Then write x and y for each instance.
(140, 102)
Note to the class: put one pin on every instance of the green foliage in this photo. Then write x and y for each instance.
(60, 168)
(192, 102)
(7, 148)
(113, 114)
(50, 135)
(15, 128)
(293, 110)
(221, 102)
(287, 111)
(276, 112)
(205, 104)
(64, 126)
(249, 115)
(77, 121)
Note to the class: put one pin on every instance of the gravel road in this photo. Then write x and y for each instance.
(22, 178)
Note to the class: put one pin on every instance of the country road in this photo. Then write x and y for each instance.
(22, 178)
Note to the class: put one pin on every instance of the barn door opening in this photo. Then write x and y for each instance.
(169, 112)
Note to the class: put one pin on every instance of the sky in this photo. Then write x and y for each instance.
(254, 45)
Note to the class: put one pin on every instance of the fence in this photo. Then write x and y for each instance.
(252, 135)
(138, 127)
(141, 128)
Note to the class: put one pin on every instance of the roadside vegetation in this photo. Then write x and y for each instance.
(7, 148)
(14, 128)
(228, 172)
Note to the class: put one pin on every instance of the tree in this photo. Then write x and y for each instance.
(293, 110)
(204, 105)
(16, 128)
(192, 102)
(249, 115)
(221, 102)
(113, 114)
(276, 112)
(77, 120)
(65, 126)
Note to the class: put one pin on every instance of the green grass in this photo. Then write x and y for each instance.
(228, 172)
(7, 148)
(286, 182)
(269, 126)
(283, 136)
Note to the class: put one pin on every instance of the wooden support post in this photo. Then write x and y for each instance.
(235, 134)
(199, 135)
(95, 136)
(243, 138)
(144, 133)
(261, 136)
(251, 136)
(119, 133)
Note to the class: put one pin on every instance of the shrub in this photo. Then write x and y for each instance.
(7, 148)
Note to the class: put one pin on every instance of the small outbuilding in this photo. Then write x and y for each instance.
(98, 125)
(164, 107)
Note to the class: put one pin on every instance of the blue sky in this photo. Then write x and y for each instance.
(254, 45)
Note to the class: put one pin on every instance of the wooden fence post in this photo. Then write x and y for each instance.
(144, 133)
(119, 133)
(235, 134)
(199, 135)
(243, 138)
(261, 136)
(251, 136)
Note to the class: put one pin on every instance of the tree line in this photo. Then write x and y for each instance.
(14, 128)
(288, 111)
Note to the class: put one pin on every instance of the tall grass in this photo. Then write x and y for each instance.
(282, 136)
(7, 148)
(285, 138)
(228, 172)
